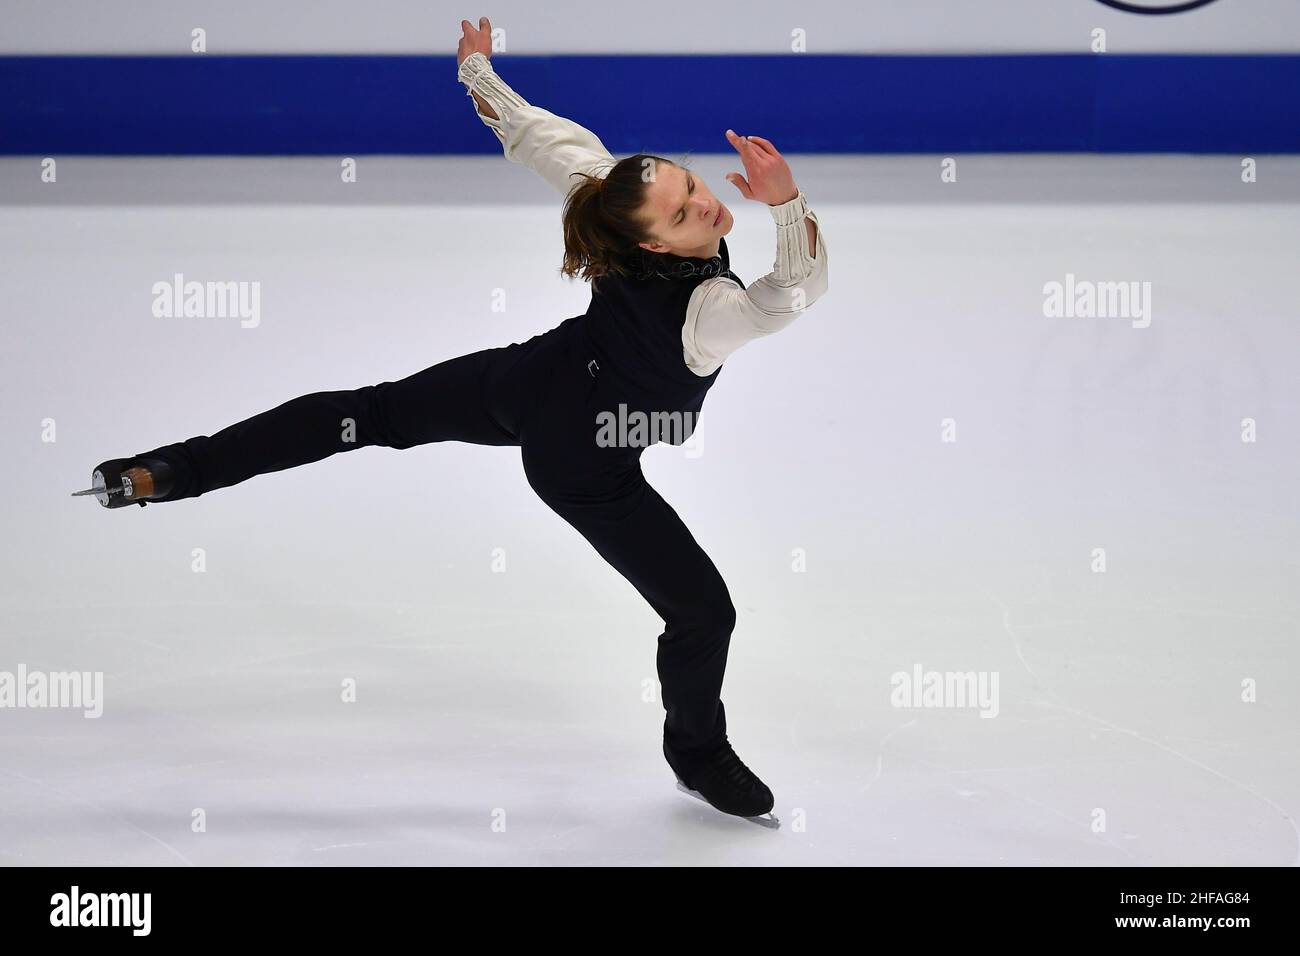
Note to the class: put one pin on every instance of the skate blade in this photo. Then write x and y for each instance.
(99, 489)
(769, 820)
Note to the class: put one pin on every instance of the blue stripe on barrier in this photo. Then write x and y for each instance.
(332, 105)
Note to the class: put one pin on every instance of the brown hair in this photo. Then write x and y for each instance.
(602, 220)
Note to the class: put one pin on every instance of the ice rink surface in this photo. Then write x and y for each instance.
(918, 473)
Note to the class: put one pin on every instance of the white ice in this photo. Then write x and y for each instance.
(1148, 714)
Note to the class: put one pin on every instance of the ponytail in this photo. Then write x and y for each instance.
(603, 223)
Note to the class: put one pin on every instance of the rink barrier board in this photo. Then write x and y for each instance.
(203, 104)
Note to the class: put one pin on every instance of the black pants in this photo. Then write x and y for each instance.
(542, 396)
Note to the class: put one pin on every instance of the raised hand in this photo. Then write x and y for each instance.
(770, 179)
(475, 41)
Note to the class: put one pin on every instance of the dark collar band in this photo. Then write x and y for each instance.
(667, 266)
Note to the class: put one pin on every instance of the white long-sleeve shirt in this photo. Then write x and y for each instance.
(721, 316)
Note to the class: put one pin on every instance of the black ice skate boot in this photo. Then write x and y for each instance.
(721, 780)
(130, 481)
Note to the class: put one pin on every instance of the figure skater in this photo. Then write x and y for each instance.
(666, 311)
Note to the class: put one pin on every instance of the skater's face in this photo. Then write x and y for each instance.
(685, 218)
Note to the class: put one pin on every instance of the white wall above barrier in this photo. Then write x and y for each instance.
(166, 27)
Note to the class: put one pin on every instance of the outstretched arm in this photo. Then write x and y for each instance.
(721, 317)
(477, 41)
(553, 147)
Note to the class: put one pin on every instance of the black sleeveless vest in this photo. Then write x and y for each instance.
(632, 331)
